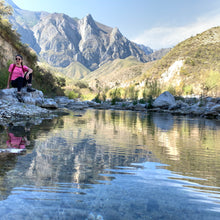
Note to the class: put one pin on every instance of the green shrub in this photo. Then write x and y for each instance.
(72, 95)
(152, 89)
(82, 84)
(4, 78)
(188, 90)
(46, 82)
(115, 95)
(132, 93)
(101, 96)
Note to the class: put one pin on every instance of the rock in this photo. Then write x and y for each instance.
(165, 100)
(93, 104)
(215, 108)
(9, 95)
(49, 103)
(140, 107)
(179, 104)
(75, 105)
(32, 98)
(62, 101)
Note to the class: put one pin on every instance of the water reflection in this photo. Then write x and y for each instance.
(163, 121)
(17, 137)
(150, 157)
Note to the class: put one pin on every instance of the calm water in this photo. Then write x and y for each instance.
(112, 165)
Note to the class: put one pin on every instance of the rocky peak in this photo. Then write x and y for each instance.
(88, 20)
(61, 40)
(88, 27)
(116, 34)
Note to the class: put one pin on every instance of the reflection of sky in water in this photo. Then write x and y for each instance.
(116, 165)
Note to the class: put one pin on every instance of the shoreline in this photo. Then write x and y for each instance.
(37, 108)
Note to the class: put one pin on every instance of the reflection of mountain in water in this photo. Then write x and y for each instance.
(78, 149)
(82, 150)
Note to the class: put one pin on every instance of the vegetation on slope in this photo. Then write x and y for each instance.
(198, 75)
(43, 79)
(201, 68)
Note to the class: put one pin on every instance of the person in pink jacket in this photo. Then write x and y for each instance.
(20, 76)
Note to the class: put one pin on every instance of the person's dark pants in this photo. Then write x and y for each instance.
(21, 82)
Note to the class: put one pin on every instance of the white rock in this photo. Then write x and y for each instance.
(165, 100)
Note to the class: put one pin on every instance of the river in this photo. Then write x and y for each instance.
(112, 165)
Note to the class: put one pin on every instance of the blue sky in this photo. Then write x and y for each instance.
(154, 23)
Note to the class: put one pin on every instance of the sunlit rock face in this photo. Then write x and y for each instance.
(61, 40)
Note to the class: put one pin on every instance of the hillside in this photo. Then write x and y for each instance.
(120, 72)
(193, 66)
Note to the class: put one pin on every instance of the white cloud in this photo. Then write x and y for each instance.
(163, 37)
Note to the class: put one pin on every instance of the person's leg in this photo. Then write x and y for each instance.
(28, 83)
(18, 83)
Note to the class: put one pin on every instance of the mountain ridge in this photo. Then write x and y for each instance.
(61, 40)
(191, 67)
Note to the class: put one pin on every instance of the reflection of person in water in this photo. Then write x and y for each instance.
(17, 138)
(16, 142)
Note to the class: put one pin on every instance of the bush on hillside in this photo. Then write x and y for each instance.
(43, 80)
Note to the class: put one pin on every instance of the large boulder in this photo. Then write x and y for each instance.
(33, 98)
(8, 95)
(12, 110)
(165, 100)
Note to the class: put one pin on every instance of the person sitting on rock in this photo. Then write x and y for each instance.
(20, 76)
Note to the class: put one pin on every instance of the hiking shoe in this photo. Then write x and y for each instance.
(19, 97)
(30, 89)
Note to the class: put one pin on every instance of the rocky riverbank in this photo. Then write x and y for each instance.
(38, 107)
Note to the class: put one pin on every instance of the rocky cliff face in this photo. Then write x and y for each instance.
(7, 52)
(62, 40)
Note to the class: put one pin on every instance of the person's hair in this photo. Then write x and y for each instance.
(18, 55)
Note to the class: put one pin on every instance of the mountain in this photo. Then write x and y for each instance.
(23, 21)
(61, 40)
(158, 54)
(147, 50)
(191, 67)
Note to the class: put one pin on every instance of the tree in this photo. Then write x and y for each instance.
(5, 10)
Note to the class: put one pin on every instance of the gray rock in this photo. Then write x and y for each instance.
(140, 107)
(49, 103)
(93, 104)
(28, 97)
(165, 100)
(62, 101)
(215, 108)
(8, 95)
(76, 105)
